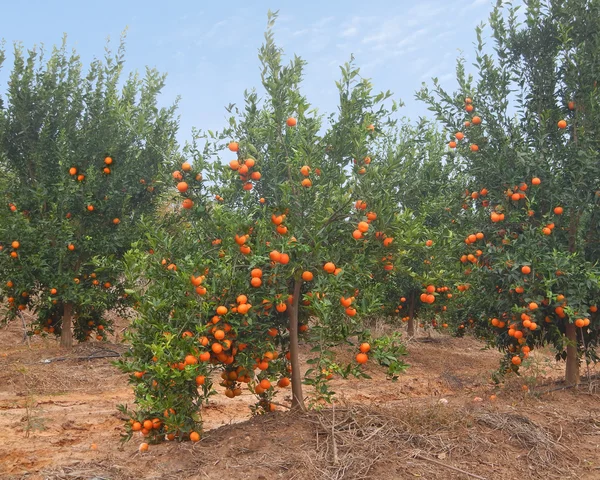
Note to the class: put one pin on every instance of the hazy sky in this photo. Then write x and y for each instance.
(209, 49)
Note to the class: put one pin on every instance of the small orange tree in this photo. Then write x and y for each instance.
(80, 154)
(277, 242)
(526, 133)
(421, 179)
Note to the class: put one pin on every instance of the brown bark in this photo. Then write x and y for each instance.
(572, 367)
(297, 395)
(66, 336)
(411, 315)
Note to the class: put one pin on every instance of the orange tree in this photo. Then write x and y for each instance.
(280, 240)
(525, 133)
(80, 153)
(420, 180)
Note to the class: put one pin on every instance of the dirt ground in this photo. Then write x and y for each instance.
(58, 421)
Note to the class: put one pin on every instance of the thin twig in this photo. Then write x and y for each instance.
(25, 336)
(421, 457)
(336, 460)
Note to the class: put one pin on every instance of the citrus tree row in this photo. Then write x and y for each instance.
(79, 154)
(530, 216)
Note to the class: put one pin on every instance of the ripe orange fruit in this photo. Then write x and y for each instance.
(306, 183)
(562, 124)
(357, 234)
(71, 247)
(283, 382)
(469, 108)
(364, 347)
(143, 447)
(305, 170)
(516, 360)
(221, 310)
(234, 164)
(307, 276)
(329, 267)
(281, 307)
(351, 312)
(186, 167)
(241, 299)
(200, 379)
(136, 426)
(535, 181)
(194, 437)
(72, 171)
(546, 231)
(187, 203)
(593, 309)
(533, 306)
(580, 322)
(234, 146)
(468, 100)
(204, 356)
(256, 272)
(176, 175)
(459, 135)
(474, 148)
(362, 358)
(360, 205)
(256, 176)
(346, 302)
(219, 334)
(452, 144)
(476, 120)
(182, 187)
(291, 122)
(148, 424)
(284, 259)
(558, 210)
(90, 208)
(571, 105)
(388, 241)
(15, 244)
(429, 243)
(363, 227)
(116, 221)
(265, 384)
(108, 160)
(526, 269)
(106, 170)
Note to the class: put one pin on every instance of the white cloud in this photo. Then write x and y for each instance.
(215, 28)
(349, 32)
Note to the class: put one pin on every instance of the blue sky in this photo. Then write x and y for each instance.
(209, 49)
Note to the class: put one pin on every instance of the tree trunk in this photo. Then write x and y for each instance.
(66, 336)
(297, 395)
(411, 316)
(572, 369)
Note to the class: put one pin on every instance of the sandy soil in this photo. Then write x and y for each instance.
(58, 421)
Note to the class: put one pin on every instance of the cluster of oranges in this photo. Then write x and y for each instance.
(475, 120)
(245, 169)
(183, 178)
